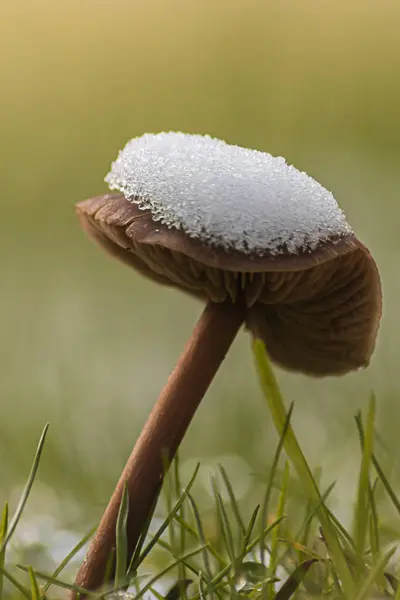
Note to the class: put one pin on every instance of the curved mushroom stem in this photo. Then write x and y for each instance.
(163, 433)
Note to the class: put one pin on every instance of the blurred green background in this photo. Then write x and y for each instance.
(86, 343)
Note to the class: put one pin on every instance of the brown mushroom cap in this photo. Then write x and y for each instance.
(318, 312)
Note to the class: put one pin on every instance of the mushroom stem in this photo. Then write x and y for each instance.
(163, 433)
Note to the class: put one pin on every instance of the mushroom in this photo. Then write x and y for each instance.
(263, 244)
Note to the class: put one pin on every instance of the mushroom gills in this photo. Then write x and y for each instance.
(216, 284)
(333, 330)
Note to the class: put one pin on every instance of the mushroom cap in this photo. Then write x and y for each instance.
(318, 311)
(226, 196)
(220, 222)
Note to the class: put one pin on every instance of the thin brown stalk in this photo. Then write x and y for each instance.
(163, 433)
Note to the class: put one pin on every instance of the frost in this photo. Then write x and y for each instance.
(226, 196)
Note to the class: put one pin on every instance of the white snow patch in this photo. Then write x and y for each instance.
(225, 195)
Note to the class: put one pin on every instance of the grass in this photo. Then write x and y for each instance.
(268, 555)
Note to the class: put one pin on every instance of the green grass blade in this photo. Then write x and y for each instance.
(311, 512)
(226, 529)
(168, 490)
(157, 595)
(3, 535)
(181, 530)
(227, 569)
(301, 537)
(109, 568)
(121, 540)
(271, 479)
(69, 557)
(391, 493)
(226, 536)
(35, 591)
(215, 583)
(277, 410)
(171, 491)
(164, 526)
(164, 571)
(200, 532)
(292, 583)
(265, 533)
(22, 590)
(374, 574)
(166, 546)
(374, 522)
(247, 535)
(202, 593)
(178, 488)
(59, 583)
(135, 559)
(234, 502)
(306, 529)
(275, 534)
(362, 507)
(341, 531)
(183, 523)
(27, 489)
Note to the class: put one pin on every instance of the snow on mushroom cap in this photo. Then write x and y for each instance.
(226, 196)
